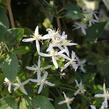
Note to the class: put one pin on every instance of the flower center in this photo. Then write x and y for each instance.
(37, 37)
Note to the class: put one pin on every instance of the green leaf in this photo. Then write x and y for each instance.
(8, 103)
(10, 66)
(41, 102)
(3, 17)
(95, 30)
(106, 2)
(11, 36)
(73, 12)
(74, 15)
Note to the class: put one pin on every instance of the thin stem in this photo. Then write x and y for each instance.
(10, 13)
(59, 24)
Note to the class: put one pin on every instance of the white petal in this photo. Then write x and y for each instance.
(25, 82)
(77, 92)
(23, 90)
(45, 68)
(49, 83)
(104, 88)
(34, 80)
(31, 68)
(50, 47)
(62, 102)
(66, 50)
(73, 55)
(54, 62)
(74, 65)
(64, 95)
(36, 31)
(68, 105)
(45, 75)
(71, 44)
(38, 75)
(28, 40)
(9, 88)
(64, 56)
(92, 107)
(65, 66)
(38, 46)
(99, 95)
(40, 88)
(45, 55)
(83, 31)
(45, 37)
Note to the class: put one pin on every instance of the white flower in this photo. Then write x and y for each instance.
(80, 25)
(65, 43)
(41, 81)
(54, 54)
(20, 85)
(90, 16)
(92, 107)
(80, 88)
(38, 68)
(9, 83)
(71, 61)
(105, 95)
(36, 37)
(67, 101)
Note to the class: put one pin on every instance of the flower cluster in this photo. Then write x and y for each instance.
(58, 47)
(90, 18)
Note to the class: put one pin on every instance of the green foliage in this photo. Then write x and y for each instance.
(95, 31)
(41, 102)
(16, 55)
(10, 66)
(8, 102)
(73, 12)
(3, 17)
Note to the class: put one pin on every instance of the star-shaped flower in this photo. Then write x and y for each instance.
(67, 101)
(90, 16)
(71, 61)
(41, 81)
(80, 88)
(20, 85)
(36, 37)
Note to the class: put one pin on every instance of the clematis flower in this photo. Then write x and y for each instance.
(38, 68)
(105, 95)
(41, 81)
(82, 26)
(54, 54)
(90, 16)
(20, 85)
(71, 61)
(36, 37)
(67, 101)
(80, 88)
